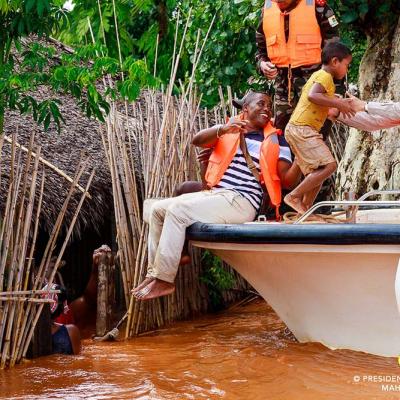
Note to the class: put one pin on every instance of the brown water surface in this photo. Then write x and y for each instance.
(243, 353)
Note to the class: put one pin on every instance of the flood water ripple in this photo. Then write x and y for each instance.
(243, 353)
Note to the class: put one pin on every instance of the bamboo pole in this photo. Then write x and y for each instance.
(23, 300)
(22, 233)
(30, 318)
(47, 163)
(12, 254)
(35, 231)
(29, 292)
(61, 252)
(20, 308)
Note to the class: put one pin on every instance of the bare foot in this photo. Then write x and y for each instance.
(145, 282)
(185, 259)
(156, 288)
(295, 203)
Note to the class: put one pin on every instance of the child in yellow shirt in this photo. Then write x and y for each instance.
(302, 132)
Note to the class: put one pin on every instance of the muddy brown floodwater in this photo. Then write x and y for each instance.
(242, 353)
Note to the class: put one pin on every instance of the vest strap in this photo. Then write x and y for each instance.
(247, 156)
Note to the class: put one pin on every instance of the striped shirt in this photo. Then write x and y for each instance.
(238, 176)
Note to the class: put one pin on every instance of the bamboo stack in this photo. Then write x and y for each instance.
(149, 152)
(20, 286)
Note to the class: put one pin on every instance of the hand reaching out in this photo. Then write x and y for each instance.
(347, 107)
(358, 105)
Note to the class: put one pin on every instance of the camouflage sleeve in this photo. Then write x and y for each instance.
(327, 21)
(261, 53)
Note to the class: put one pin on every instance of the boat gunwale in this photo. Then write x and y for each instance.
(325, 234)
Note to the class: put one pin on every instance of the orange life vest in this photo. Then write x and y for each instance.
(304, 43)
(225, 150)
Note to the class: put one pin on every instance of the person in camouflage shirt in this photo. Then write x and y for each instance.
(285, 102)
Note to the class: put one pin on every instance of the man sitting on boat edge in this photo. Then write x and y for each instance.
(234, 193)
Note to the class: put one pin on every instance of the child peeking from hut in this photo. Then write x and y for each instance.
(66, 339)
(303, 131)
(234, 189)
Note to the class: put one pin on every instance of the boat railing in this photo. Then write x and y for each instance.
(354, 203)
(379, 192)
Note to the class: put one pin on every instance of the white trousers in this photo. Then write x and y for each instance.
(170, 217)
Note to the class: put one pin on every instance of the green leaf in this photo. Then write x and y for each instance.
(40, 6)
(349, 16)
(29, 4)
(47, 121)
(363, 9)
(129, 89)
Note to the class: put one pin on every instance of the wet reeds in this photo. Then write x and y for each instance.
(21, 293)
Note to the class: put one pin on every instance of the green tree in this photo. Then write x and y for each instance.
(228, 56)
(98, 16)
(140, 24)
(26, 67)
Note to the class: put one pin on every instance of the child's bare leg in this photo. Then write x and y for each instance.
(315, 179)
(309, 197)
(295, 203)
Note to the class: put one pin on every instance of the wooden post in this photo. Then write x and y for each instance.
(105, 293)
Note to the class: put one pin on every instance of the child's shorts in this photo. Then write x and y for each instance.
(309, 148)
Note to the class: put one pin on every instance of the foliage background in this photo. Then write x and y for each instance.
(228, 57)
(147, 25)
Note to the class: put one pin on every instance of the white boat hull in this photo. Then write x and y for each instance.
(346, 297)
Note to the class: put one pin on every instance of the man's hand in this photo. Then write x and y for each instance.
(233, 127)
(346, 107)
(268, 69)
(358, 104)
(333, 113)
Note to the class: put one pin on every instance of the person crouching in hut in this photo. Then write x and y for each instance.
(66, 338)
(245, 153)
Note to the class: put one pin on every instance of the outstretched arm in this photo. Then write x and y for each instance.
(367, 122)
(317, 95)
(379, 115)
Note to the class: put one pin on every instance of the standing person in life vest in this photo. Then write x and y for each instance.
(289, 40)
(234, 193)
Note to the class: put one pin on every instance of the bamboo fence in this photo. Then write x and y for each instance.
(21, 301)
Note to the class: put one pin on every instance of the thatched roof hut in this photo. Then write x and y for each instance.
(78, 135)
